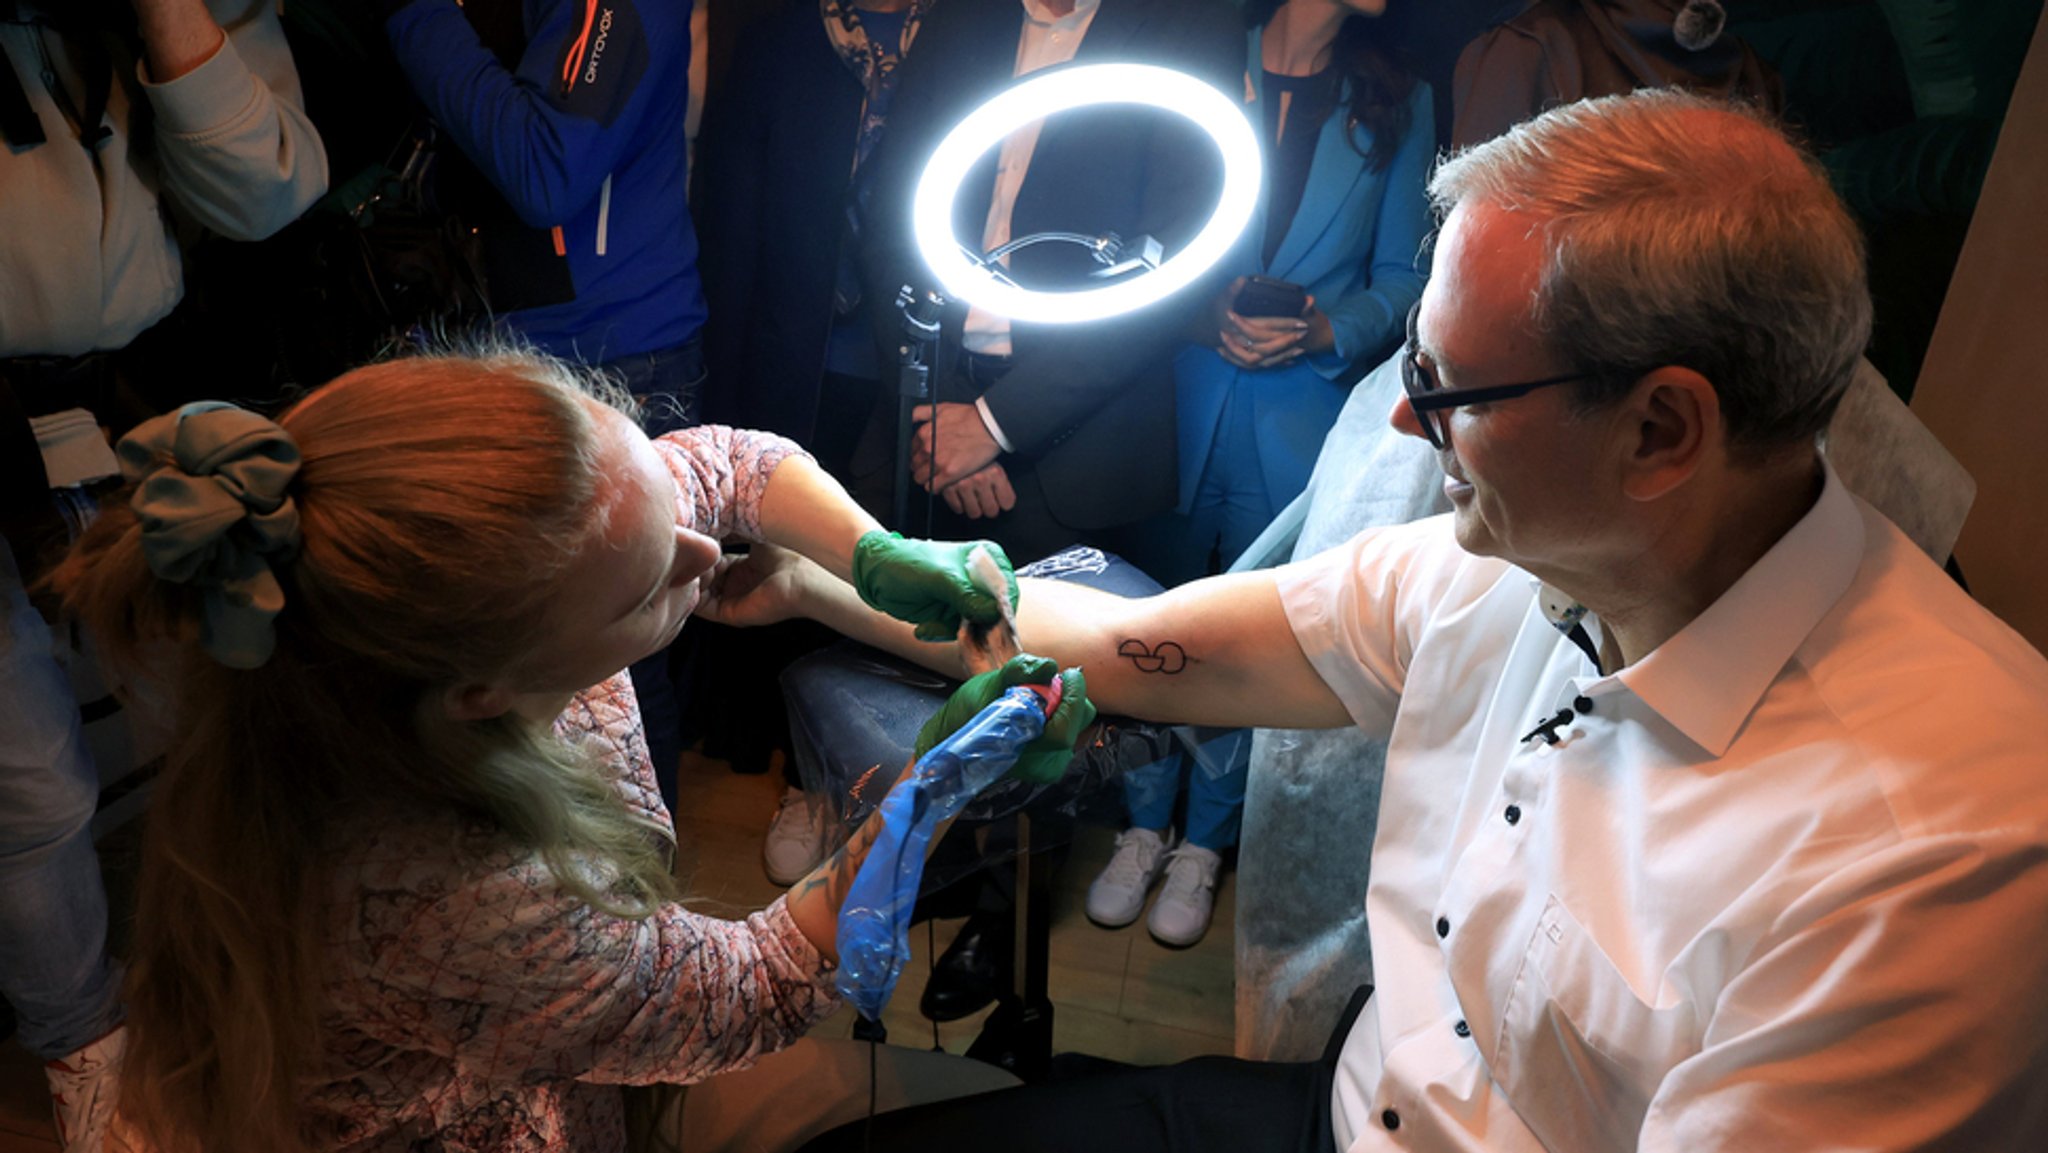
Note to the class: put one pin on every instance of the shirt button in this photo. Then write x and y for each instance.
(1443, 927)
(1390, 1119)
(1462, 1029)
(1513, 814)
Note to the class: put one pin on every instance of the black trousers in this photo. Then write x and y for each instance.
(1205, 1105)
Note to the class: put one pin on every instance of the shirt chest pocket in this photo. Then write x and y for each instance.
(1579, 1054)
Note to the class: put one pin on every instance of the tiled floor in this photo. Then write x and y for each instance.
(1116, 994)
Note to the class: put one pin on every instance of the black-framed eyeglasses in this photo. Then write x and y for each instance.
(1432, 403)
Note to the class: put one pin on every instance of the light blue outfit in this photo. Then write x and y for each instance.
(1249, 437)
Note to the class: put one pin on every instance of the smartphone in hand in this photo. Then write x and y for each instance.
(1265, 296)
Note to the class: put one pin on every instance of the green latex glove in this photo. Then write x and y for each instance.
(925, 582)
(1044, 759)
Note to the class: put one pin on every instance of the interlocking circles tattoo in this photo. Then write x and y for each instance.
(1165, 657)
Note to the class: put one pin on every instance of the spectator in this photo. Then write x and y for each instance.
(1085, 411)
(1553, 52)
(781, 188)
(124, 123)
(782, 174)
(1348, 137)
(573, 115)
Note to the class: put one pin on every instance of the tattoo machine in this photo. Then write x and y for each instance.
(874, 921)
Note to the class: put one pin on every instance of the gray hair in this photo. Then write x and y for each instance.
(1686, 231)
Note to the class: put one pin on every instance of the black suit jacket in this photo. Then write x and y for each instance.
(1090, 405)
(773, 164)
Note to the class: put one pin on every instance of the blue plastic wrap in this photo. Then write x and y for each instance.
(874, 921)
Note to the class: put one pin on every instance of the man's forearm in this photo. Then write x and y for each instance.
(177, 36)
(1215, 652)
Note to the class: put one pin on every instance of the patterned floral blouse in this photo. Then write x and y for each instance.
(477, 1008)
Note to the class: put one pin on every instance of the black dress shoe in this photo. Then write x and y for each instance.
(974, 970)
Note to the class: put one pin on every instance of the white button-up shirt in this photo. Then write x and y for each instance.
(1783, 886)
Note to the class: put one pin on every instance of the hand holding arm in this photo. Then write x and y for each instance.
(770, 585)
(927, 583)
(1213, 652)
(1216, 651)
(1044, 759)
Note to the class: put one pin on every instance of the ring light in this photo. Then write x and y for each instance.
(1062, 91)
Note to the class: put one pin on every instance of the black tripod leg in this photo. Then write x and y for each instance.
(1018, 1035)
(909, 388)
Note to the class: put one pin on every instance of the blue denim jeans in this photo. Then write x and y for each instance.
(668, 385)
(1215, 788)
(54, 967)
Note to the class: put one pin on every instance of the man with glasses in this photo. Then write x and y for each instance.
(1714, 814)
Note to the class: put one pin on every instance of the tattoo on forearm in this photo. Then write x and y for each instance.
(1165, 657)
(831, 881)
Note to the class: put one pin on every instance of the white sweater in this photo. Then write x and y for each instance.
(89, 252)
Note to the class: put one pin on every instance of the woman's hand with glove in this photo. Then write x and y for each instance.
(926, 582)
(1044, 759)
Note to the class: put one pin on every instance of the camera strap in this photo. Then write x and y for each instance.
(19, 126)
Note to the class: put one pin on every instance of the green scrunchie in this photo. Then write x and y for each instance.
(214, 514)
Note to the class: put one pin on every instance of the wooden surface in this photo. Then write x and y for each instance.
(1984, 387)
(1115, 993)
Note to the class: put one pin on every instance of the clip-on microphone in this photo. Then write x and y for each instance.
(1546, 729)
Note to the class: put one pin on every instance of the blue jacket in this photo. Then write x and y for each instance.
(584, 140)
(1356, 245)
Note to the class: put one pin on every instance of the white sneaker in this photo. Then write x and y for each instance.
(1181, 914)
(797, 837)
(84, 1088)
(1117, 896)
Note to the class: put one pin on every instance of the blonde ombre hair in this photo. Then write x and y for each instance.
(441, 498)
